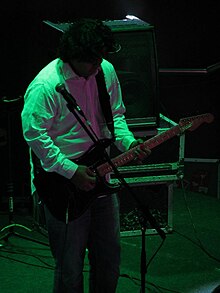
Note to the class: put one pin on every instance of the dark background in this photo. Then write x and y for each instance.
(187, 37)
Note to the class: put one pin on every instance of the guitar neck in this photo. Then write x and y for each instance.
(130, 155)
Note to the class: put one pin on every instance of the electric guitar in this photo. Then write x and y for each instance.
(80, 200)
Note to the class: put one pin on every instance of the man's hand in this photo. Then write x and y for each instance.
(142, 152)
(84, 178)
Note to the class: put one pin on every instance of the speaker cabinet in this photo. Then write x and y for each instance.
(137, 69)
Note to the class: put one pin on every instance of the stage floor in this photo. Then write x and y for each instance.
(188, 261)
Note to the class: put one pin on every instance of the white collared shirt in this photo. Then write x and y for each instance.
(53, 132)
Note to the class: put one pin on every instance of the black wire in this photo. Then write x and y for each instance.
(137, 282)
(64, 244)
(199, 244)
(155, 253)
(27, 254)
(26, 263)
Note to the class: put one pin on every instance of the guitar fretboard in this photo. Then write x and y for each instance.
(190, 123)
(130, 155)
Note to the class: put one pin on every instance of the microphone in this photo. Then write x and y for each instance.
(60, 88)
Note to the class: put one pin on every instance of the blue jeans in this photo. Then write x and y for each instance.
(98, 229)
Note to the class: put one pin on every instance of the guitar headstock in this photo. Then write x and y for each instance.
(193, 122)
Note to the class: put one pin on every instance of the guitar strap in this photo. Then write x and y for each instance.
(104, 99)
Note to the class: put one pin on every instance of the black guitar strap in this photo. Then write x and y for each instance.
(104, 99)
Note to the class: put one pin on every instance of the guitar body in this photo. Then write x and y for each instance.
(58, 193)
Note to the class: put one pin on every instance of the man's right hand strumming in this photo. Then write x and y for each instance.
(84, 178)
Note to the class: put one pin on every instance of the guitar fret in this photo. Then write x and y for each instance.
(118, 161)
(157, 140)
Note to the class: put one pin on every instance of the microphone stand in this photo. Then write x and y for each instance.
(146, 215)
(10, 183)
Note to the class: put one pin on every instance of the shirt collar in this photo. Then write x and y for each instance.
(68, 73)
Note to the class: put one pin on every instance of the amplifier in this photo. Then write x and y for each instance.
(202, 175)
(153, 192)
